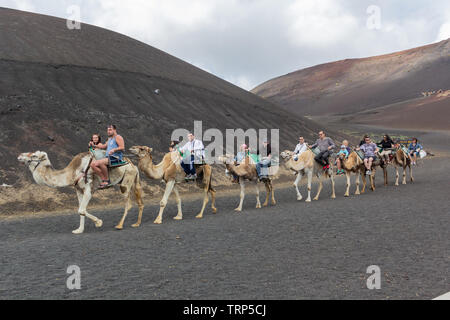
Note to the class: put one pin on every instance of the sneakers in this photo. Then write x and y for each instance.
(339, 172)
(369, 172)
(191, 177)
(325, 168)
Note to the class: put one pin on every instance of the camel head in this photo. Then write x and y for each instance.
(226, 159)
(286, 155)
(33, 158)
(141, 151)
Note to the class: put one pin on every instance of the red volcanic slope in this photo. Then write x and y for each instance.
(354, 85)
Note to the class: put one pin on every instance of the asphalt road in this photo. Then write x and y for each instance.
(294, 250)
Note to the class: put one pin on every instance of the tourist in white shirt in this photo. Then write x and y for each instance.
(300, 148)
(195, 151)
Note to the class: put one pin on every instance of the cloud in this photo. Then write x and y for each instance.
(24, 5)
(250, 41)
(444, 32)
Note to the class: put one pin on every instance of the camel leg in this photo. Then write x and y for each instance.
(82, 216)
(165, 199)
(205, 202)
(179, 216)
(347, 190)
(267, 185)
(320, 188)
(411, 173)
(213, 199)
(242, 183)
(258, 202)
(333, 190)
(404, 175)
(357, 192)
(296, 182)
(272, 191)
(363, 178)
(372, 181)
(140, 202)
(85, 198)
(396, 175)
(310, 176)
(128, 206)
(385, 176)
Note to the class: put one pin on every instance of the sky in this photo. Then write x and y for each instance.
(248, 42)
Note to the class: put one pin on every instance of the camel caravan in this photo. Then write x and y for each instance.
(105, 166)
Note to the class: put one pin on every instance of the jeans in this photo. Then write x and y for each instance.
(189, 167)
(262, 168)
(322, 157)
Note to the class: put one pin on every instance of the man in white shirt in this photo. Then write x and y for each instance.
(193, 153)
(300, 148)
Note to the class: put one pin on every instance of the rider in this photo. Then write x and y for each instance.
(95, 141)
(414, 150)
(196, 151)
(114, 153)
(386, 144)
(266, 158)
(300, 148)
(345, 150)
(240, 158)
(370, 150)
(326, 146)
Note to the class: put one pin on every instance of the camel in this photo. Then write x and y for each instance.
(79, 175)
(400, 159)
(306, 165)
(246, 171)
(355, 160)
(353, 163)
(171, 172)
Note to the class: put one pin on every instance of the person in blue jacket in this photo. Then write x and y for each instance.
(414, 150)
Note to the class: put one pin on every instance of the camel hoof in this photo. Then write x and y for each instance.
(136, 225)
(200, 216)
(299, 198)
(178, 218)
(265, 205)
(78, 231)
(316, 199)
(333, 197)
(214, 210)
(308, 200)
(119, 228)
(99, 223)
(157, 222)
(347, 195)
(404, 183)
(238, 210)
(258, 206)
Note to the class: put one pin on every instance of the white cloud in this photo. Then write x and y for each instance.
(444, 32)
(24, 5)
(319, 23)
(250, 41)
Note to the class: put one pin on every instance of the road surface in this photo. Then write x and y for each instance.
(293, 250)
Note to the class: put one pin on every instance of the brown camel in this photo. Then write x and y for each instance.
(170, 171)
(306, 165)
(403, 160)
(246, 171)
(79, 175)
(353, 164)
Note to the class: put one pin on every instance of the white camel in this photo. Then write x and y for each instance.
(306, 165)
(79, 175)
